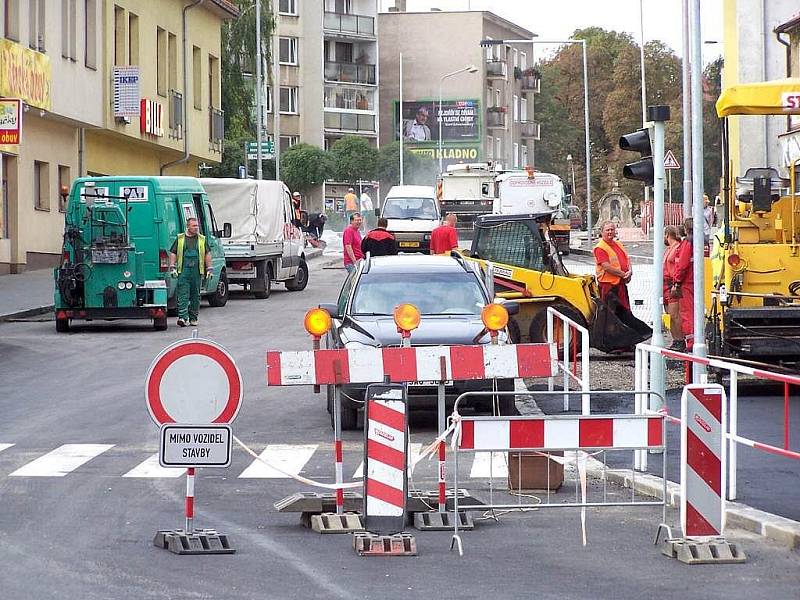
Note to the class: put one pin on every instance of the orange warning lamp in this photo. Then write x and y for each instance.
(317, 322)
(406, 317)
(494, 317)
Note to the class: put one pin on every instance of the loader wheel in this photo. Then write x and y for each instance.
(538, 327)
(513, 331)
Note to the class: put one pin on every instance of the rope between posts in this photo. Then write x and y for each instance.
(300, 478)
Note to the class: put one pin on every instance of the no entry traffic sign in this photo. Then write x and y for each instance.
(193, 382)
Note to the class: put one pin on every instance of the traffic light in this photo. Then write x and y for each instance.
(642, 169)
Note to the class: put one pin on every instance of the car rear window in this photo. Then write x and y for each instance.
(447, 293)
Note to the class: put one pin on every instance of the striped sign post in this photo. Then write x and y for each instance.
(385, 459)
(702, 460)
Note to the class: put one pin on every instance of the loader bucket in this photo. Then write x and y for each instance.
(615, 328)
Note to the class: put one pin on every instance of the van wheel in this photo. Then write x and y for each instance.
(538, 327)
(220, 295)
(62, 325)
(160, 323)
(300, 281)
(264, 271)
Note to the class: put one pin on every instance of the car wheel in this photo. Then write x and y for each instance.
(160, 323)
(62, 325)
(300, 281)
(220, 295)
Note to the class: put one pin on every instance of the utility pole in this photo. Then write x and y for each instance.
(686, 84)
(401, 118)
(276, 96)
(259, 89)
(644, 84)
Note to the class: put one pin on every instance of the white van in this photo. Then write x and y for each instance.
(413, 213)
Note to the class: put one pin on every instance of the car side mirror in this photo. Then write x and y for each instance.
(332, 309)
(227, 231)
(377, 212)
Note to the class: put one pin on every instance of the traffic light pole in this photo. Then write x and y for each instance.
(658, 115)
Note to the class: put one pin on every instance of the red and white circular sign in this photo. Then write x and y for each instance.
(193, 382)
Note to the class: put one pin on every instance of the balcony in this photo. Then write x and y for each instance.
(349, 24)
(349, 122)
(496, 69)
(531, 81)
(530, 130)
(350, 72)
(349, 98)
(496, 117)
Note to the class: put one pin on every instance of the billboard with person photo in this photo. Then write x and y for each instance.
(422, 123)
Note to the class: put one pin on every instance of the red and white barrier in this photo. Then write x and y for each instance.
(568, 362)
(420, 363)
(702, 460)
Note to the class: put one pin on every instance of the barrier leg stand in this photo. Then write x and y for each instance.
(190, 540)
(456, 540)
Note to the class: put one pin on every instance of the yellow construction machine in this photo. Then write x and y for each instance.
(753, 291)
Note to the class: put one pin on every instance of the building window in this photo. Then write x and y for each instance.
(523, 61)
(516, 58)
(489, 147)
(162, 52)
(524, 157)
(516, 107)
(498, 149)
(288, 7)
(64, 180)
(287, 141)
(133, 39)
(69, 28)
(172, 49)
(41, 185)
(36, 25)
(497, 97)
(197, 79)
(489, 50)
(523, 109)
(90, 33)
(289, 100)
(120, 36)
(267, 100)
(288, 51)
(516, 156)
(213, 82)
(11, 19)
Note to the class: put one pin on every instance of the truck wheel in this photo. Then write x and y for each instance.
(538, 327)
(300, 280)
(62, 325)
(160, 323)
(264, 273)
(220, 295)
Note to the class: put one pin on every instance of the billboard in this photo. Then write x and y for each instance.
(422, 123)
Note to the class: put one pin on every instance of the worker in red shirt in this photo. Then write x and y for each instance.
(351, 240)
(683, 283)
(445, 237)
(613, 265)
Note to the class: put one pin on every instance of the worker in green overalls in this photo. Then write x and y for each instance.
(189, 262)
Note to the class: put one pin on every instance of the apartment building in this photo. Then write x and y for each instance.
(162, 111)
(51, 61)
(487, 93)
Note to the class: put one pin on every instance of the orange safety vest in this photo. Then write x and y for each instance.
(350, 202)
(613, 258)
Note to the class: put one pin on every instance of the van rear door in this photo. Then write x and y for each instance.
(142, 214)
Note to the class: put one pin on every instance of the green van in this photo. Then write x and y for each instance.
(117, 236)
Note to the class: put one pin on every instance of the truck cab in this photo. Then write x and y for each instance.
(413, 213)
(115, 258)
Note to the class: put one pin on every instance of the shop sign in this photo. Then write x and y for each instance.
(10, 121)
(25, 74)
(151, 117)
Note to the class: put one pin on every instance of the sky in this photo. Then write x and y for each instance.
(557, 19)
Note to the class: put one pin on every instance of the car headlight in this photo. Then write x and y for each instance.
(129, 285)
(121, 285)
(427, 237)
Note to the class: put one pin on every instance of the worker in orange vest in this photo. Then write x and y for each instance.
(613, 265)
(350, 203)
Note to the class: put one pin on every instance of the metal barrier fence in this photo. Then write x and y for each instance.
(642, 362)
(673, 215)
(545, 434)
(568, 367)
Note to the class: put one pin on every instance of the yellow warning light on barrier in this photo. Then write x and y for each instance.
(317, 322)
(406, 317)
(494, 317)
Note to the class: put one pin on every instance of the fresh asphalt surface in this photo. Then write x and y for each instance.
(89, 533)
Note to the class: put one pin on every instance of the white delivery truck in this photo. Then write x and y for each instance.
(264, 245)
(468, 191)
(413, 213)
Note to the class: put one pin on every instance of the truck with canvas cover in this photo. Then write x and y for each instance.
(115, 255)
(753, 283)
(264, 246)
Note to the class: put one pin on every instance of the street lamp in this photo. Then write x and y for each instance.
(489, 42)
(467, 69)
(572, 171)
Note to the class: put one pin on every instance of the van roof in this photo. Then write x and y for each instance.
(411, 191)
(161, 184)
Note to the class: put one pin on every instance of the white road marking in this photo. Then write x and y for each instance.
(289, 457)
(5, 446)
(489, 465)
(151, 469)
(413, 451)
(61, 461)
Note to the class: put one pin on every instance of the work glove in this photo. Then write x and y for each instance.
(173, 272)
(209, 274)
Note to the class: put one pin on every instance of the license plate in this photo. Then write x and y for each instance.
(409, 244)
(427, 383)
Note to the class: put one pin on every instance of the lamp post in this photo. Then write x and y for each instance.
(490, 42)
(467, 69)
(572, 172)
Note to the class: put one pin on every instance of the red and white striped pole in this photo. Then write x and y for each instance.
(442, 482)
(189, 500)
(337, 448)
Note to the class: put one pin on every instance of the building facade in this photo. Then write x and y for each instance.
(789, 34)
(753, 52)
(487, 111)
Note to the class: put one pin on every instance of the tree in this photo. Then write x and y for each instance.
(304, 166)
(418, 170)
(712, 128)
(353, 158)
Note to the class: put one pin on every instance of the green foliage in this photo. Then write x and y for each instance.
(353, 158)
(418, 170)
(304, 166)
(712, 129)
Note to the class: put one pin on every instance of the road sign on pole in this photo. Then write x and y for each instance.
(267, 150)
(670, 162)
(193, 381)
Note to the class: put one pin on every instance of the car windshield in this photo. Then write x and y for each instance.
(409, 208)
(432, 293)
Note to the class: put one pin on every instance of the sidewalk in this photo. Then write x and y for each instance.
(31, 293)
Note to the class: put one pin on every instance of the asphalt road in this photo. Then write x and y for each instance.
(88, 533)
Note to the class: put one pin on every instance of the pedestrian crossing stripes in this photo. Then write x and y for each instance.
(290, 458)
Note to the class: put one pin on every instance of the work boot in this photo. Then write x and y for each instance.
(193, 322)
(181, 323)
